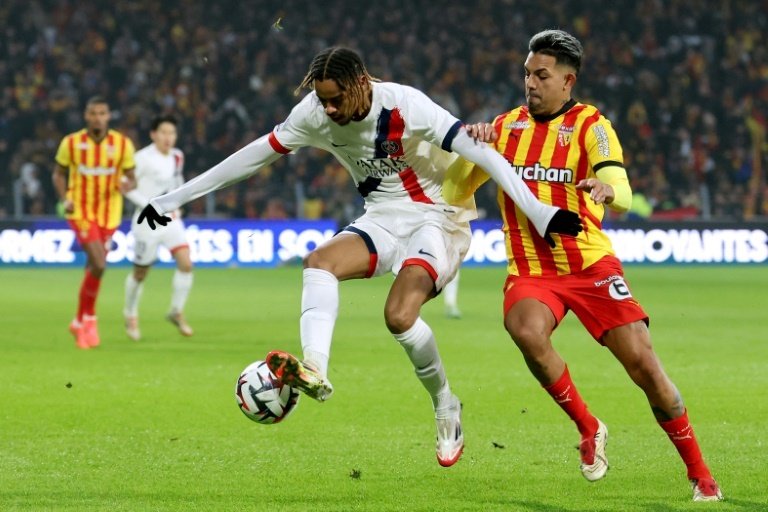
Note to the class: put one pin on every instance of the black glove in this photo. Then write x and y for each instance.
(563, 222)
(152, 216)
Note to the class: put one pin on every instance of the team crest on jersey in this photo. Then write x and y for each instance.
(390, 147)
(564, 135)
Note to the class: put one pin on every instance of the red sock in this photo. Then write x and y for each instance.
(681, 434)
(567, 397)
(89, 290)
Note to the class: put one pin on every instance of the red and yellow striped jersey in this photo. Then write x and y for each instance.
(95, 170)
(552, 157)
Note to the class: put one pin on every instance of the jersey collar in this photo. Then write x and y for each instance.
(548, 117)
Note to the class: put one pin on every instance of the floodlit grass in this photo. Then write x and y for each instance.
(154, 425)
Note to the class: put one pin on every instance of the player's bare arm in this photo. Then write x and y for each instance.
(60, 185)
(128, 181)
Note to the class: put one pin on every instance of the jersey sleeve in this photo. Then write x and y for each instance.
(139, 160)
(63, 156)
(430, 121)
(129, 154)
(178, 174)
(602, 145)
(296, 131)
(462, 179)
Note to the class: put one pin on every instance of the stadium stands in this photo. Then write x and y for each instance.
(685, 85)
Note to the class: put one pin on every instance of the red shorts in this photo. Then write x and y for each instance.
(88, 231)
(598, 296)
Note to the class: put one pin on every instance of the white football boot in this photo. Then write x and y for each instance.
(599, 467)
(706, 489)
(299, 374)
(177, 319)
(452, 311)
(132, 328)
(450, 438)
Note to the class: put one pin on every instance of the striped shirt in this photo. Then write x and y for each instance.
(552, 157)
(95, 170)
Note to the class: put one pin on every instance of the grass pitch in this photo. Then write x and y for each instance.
(154, 425)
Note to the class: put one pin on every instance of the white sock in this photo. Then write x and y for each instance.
(420, 345)
(182, 284)
(451, 292)
(133, 289)
(319, 309)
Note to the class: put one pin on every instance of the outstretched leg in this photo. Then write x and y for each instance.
(530, 324)
(631, 344)
(343, 257)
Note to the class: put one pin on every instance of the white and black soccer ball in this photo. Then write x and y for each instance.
(262, 397)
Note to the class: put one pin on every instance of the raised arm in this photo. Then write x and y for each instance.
(238, 166)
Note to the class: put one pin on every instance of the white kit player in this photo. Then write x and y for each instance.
(396, 144)
(159, 169)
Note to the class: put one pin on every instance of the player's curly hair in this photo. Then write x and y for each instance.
(561, 45)
(345, 67)
(165, 118)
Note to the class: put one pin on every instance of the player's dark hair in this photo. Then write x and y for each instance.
(167, 118)
(345, 67)
(561, 45)
(96, 100)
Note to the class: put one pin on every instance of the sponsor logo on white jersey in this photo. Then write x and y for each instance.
(381, 167)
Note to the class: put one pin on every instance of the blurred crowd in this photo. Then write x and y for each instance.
(685, 83)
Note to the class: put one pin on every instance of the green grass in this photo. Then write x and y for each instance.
(154, 425)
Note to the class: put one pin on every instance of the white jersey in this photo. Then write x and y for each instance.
(398, 152)
(398, 155)
(157, 173)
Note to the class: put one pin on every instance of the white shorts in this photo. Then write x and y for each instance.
(146, 241)
(413, 235)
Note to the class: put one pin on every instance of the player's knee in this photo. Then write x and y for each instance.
(315, 259)
(97, 268)
(399, 319)
(526, 332)
(646, 371)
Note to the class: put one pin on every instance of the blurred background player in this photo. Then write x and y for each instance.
(90, 165)
(451, 298)
(159, 168)
(569, 155)
(395, 143)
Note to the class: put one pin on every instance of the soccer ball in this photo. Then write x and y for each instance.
(262, 397)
